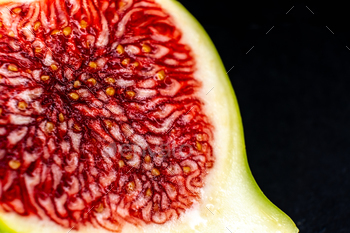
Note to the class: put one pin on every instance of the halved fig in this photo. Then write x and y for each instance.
(118, 116)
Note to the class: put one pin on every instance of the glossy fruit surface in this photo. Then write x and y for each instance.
(118, 116)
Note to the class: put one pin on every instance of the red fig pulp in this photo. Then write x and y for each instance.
(100, 120)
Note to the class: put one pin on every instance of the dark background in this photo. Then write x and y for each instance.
(293, 91)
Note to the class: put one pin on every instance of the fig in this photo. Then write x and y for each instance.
(118, 116)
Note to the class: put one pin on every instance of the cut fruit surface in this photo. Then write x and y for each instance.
(119, 116)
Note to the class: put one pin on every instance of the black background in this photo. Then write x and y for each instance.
(293, 91)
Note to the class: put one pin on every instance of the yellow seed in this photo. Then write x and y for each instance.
(99, 208)
(0, 36)
(148, 192)
(146, 48)
(126, 61)
(131, 186)
(121, 4)
(110, 91)
(148, 159)
(135, 64)
(92, 81)
(83, 24)
(0, 111)
(77, 127)
(186, 169)
(11, 34)
(74, 96)
(37, 25)
(45, 78)
(108, 123)
(199, 137)
(110, 80)
(0, 24)
(61, 117)
(67, 31)
(131, 94)
(160, 75)
(14, 164)
(155, 172)
(198, 146)
(22, 105)
(55, 32)
(120, 49)
(17, 10)
(121, 163)
(54, 67)
(128, 156)
(28, 71)
(93, 65)
(50, 127)
(77, 84)
(37, 50)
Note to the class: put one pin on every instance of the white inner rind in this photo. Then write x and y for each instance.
(231, 200)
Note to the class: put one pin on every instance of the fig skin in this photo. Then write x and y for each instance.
(231, 198)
